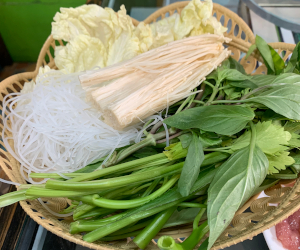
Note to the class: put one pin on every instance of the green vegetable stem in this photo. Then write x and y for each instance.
(149, 232)
(168, 243)
(96, 200)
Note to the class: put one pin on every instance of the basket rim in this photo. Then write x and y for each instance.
(239, 43)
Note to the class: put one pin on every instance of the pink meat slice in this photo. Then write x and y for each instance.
(288, 230)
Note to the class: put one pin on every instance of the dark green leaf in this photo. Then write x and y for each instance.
(266, 54)
(286, 78)
(221, 119)
(214, 158)
(250, 50)
(234, 64)
(293, 60)
(244, 84)
(185, 139)
(208, 90)
(204, 245)
(271, 115)
(286, 174)
(225, 65)
(191, 167)
(144, 152)
(234, 183)
(279, 64)
(296, 157)
(206, 141)
(296, 168)
(262, 80)
(213, 75)
(232, 75)
(284, 100)
(182, 217)
(232, 93)
(292, 127)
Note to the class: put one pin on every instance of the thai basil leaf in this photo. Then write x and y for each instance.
(185, 139)
(191, 167)
(232, 75)
(234, 183)
(266, 54)
(286, 78)
(221, 119)
(209, 142)
(234, 64)
(284, 100)
(244, 84)
(262, 80)
(250, 50)
(295, 58)
(279, 64)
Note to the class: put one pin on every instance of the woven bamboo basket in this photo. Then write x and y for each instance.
(253, 218)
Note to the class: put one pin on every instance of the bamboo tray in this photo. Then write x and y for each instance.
(253, 218)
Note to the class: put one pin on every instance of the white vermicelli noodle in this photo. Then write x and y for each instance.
(54, 129)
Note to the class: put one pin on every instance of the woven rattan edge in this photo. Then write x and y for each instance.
(237, 43)
(57, 231)
(271, 216)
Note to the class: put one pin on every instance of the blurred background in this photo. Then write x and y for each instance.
(26, 24)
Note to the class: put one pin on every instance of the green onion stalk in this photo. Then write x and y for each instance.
(168, 243)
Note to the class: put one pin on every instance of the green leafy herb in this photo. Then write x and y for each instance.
(225, 120)
(284, 100)
(244, 84)
(182, 217)
(233, 184)
(270, 138)
(185, 139)
(294, 142)
(232, 75)
(265, 53)
(292, 127)
(175, 151)
(208, 141)
(262, 80)
(250, 50)
(191, 167)
(279, 64)
(234, 64)
(294, 60)
(279, 162)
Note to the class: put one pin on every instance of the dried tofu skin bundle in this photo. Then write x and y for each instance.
(130, 91)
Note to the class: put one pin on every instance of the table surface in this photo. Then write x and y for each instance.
(19, 232)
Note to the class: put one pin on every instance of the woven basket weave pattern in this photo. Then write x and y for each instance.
(246, 224)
